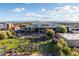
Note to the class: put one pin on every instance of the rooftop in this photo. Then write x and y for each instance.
(70, 36)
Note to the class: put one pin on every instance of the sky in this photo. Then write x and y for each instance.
(58, 12)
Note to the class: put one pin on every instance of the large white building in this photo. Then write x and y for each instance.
(71, 38)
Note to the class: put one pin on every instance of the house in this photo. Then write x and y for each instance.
(10, 25)
(71, 38)
(3, 25)
(16, 27)
(74, 29)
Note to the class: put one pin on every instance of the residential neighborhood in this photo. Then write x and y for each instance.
(38, 33)
(40, 29)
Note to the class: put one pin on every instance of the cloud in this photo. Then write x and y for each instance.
(22, 9)
(66, 13)
(37, 17)
(43, 9)
(18, 9)
(66, 9)
(31, 14)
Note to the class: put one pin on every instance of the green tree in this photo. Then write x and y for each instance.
(8, 34)
(66, 50)
(3, 35)
(62, 29)
(59, 46)
(76, 49)
(74, 53)
(50, 33)
(12, 31)
(61, 53)
(62, 45)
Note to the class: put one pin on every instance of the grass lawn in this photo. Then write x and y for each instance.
(9, 43)
(21, 45)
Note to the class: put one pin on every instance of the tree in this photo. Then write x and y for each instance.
(62, 29)
(63, 42)
(62, 45)
(64, 49)
(67, 50)
(76, 49)
(3, 35)
(59, 46)
(61, 53)
(50, 33)
(74, 53)
(8, 34)
(12, 31)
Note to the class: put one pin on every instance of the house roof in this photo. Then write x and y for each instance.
(70, 36)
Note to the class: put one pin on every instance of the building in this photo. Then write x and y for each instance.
(16, 27)
(10, 25)
(73, 29)
(71, 38)
(3, 25)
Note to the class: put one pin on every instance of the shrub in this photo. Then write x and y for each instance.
(3, 36)
(62, 45)
(59, 46)
(9, 34)
(61, 53)
(64, 49)
(63, 42)
(74, 53)
(12, 31)
(67, 50)
(76, 49)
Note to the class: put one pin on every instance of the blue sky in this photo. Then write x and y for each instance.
(39, 12)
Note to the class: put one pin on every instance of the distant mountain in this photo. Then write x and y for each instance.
(39, 22)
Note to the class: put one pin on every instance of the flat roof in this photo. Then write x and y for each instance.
(70, 36)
